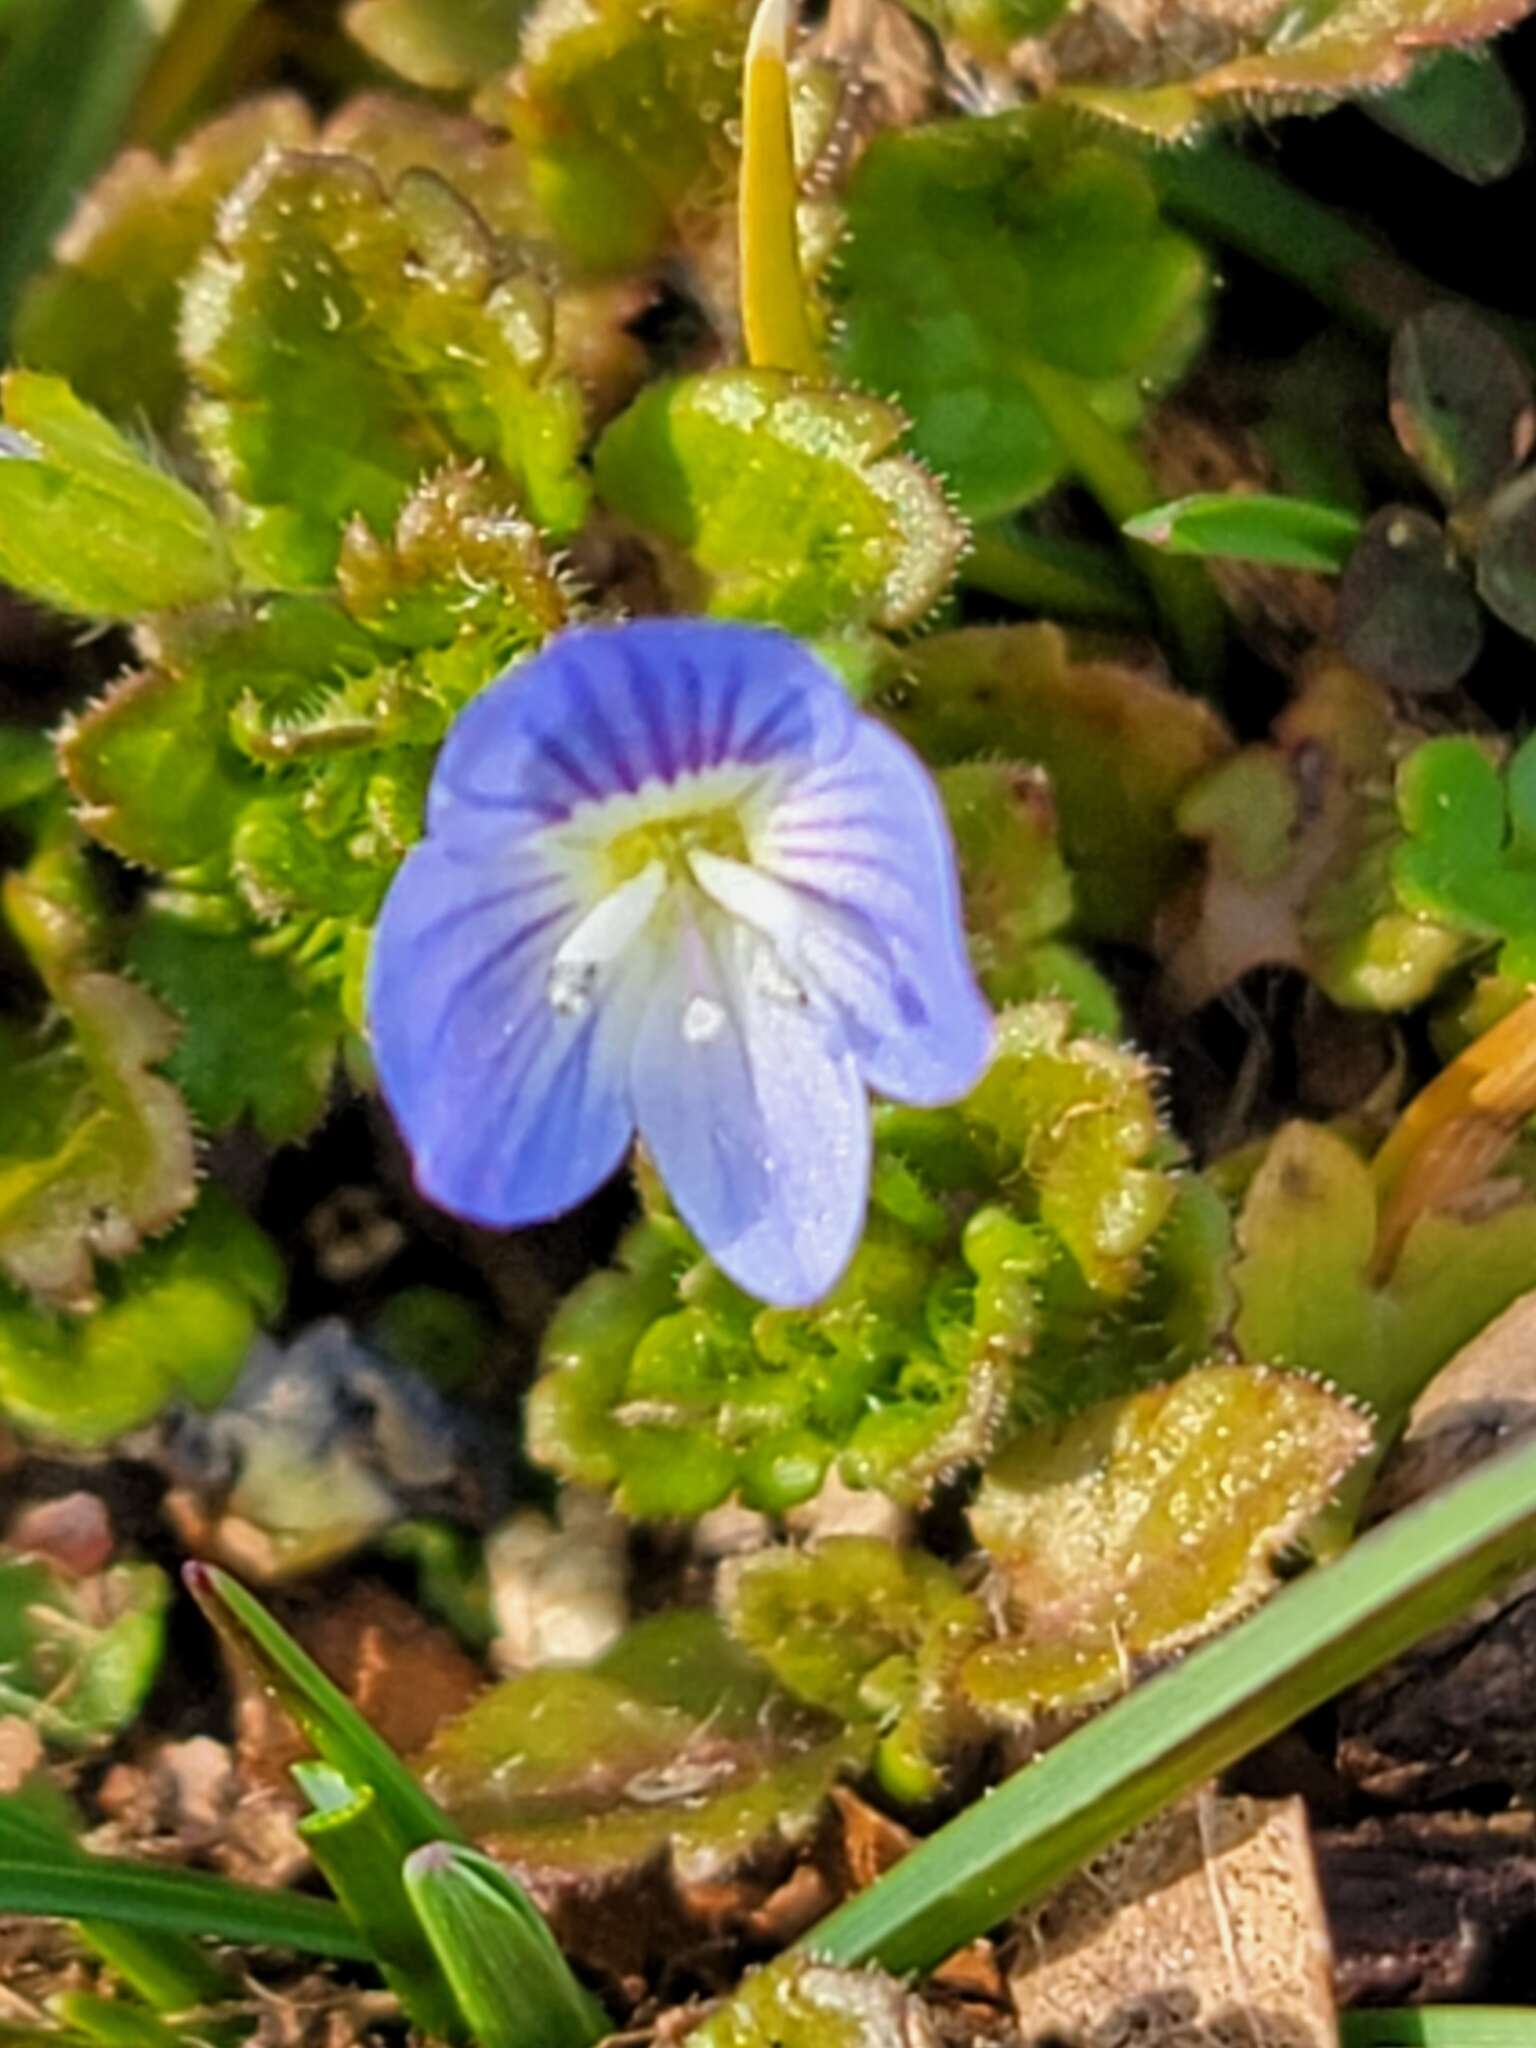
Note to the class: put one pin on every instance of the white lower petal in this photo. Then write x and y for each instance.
(754, 1110)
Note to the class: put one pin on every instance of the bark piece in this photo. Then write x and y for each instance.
(1431, 1907)
(1203, 1928)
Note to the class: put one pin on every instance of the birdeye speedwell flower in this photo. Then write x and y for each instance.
(674, 882)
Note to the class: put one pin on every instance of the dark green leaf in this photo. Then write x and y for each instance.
(975, 246)
(1462, 402)
(1462, 108)
(1405, 613)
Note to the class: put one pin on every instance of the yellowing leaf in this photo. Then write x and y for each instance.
(1308, 1238)
(1120, 745)
(1143, 1524)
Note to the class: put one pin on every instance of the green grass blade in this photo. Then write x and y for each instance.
(177, 1902)
(330, 1723)
(360, 1855)
(513, 1985)
(168, 1971)
(1250, 526)
(114, 2022)
(1058, 578)
(69, 70)
(1405, 1579)
(1441, 2026)
(1112, 470)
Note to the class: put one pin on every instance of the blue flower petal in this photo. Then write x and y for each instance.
(866, 835)
(755, 1113)
(513, 1111)
(604, 710)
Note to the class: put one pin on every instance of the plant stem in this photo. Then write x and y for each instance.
(1221, 192)
(1057, 578)
(1113, 470)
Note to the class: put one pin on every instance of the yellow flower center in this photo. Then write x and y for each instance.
(671, 840)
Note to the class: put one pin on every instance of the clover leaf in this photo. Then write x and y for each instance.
(1469, 855)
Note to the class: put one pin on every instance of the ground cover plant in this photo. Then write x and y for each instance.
(768, 1014)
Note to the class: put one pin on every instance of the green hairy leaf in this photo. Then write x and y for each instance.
(1405, 1579)
(975, 246)
(1144, 1524)
(174, 1322)
(674, 1744)
(799, 2003)
(625, 111)
(345, 341)
(779, 501)
(1008, 1242)
(869, 1633)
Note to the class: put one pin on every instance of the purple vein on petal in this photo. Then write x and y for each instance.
(501, 956)
(643, 695)
(559, 757)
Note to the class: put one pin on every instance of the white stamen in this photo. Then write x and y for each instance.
(703, 1020)
(603, 935)
(775, 913)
